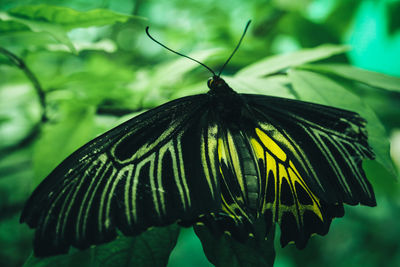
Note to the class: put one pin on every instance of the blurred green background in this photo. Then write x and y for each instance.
(116, 72)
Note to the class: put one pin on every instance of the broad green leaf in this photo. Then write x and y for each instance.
(188, 244)
(68, 18)
(61, 138)
(382, 187)
(7, 25)
(191, 89)
(55, 20)
(320, 89)
(277, 85)
(225, 251)
(371, 78)
(276, 63)
(151, 248)
(35, 25)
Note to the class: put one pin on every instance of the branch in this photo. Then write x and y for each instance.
(29, 74)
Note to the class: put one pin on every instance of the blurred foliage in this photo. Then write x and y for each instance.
(97, 68)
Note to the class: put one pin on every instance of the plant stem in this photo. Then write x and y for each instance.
(29, 74)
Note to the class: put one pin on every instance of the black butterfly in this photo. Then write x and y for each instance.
(221, 158)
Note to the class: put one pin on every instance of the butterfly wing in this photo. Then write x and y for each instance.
(307, 158)
(329, 143)
(316, 154)
(146, 172)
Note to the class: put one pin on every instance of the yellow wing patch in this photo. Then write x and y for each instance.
(271, 145)
(288, 192)
(257, 148)
(295, 177)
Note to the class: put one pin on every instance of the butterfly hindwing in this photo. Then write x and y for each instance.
(145, 172)
(287, 198)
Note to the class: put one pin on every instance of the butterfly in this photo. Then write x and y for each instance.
(222, 159)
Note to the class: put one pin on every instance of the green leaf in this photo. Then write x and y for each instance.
(8, 25)
(225, 251)
(314, 87)
(151, 248)
(68, 18)
(382, 187)
(371, 78)
(188, 250)
(55, 20)
(276, 63)
(276, 85)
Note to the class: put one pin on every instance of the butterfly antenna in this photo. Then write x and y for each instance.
(173, 51)
(236, 48)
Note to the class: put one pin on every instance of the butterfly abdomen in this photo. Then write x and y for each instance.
(248, 167)
(240, 185)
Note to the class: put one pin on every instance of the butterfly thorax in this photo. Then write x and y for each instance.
(227, 105)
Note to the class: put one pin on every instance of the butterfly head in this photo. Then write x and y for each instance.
(216, 83)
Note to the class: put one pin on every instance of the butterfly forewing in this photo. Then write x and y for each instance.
(146, 172)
